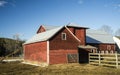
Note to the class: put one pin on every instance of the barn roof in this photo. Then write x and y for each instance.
(44, 35)
(48, 27)
(75, 25)
(98, 36)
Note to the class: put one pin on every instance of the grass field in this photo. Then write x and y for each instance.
(17, 68)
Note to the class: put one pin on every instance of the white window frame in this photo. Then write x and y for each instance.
(63, 36)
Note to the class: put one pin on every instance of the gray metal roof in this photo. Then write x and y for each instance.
(75, 25)
(97, 36)
(87, 47)
(43, 36)
(49, 27)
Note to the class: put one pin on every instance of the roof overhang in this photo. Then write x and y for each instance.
(86, 47)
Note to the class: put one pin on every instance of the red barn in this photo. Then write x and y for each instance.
(55, 45)
(100, 39)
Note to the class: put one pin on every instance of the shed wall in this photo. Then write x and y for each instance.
(60, 56)
(36, 52)
(104, 47)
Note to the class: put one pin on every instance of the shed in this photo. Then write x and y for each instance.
(100, 39)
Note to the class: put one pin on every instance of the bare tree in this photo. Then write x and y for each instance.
(16, 36)
(107, 29)
(117, 33)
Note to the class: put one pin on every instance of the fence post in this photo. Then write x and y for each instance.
(99, 58)
(116, 60)
(89, 58)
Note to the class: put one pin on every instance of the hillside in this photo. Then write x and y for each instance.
(9, 45)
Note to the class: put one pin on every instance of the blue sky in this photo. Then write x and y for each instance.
(25, 16)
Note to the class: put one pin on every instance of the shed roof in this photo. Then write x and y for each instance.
(98, 36)
(48, 27)
(75, 25)
(44, 35)
(87, 47)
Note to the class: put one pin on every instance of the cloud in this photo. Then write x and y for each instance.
(2, 3)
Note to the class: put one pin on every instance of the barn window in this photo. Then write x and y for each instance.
(63, 36)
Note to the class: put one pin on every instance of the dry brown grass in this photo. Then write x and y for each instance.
(18, 68)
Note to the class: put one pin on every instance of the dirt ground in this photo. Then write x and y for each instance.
(18, 68)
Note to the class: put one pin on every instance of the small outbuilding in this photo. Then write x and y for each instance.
(100, 39)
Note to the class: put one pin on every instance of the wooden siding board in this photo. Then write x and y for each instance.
(60, 48)
(80, 33)
(103, 47)
(57, 43)
(60, 56)
(41, 29)
(36, 52)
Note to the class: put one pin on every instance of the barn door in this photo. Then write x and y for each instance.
(72, 58)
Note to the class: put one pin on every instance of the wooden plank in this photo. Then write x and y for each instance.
(108, 65)
(93, 53)
(108, 58)
(94, 60)
(112, 60)
(94, 63)
(94, 57)
(108, 61)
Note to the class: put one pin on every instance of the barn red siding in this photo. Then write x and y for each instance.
(60, 56)
(60, 48)
(57, 43)
(80, 33)
(41, 29)
(104, 47)
(36, 52)
(72, 30)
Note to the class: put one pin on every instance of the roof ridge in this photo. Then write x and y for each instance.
(72, 34)
(45, 35)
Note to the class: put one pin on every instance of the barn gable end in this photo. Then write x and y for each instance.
(59, 48)
(41, 29)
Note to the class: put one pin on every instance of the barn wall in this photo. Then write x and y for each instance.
(104, 47)
(57, 43)
(80, 33)
(60, 56)
(36, 52)
(41, 29)
(59, 48)
(108, 47)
